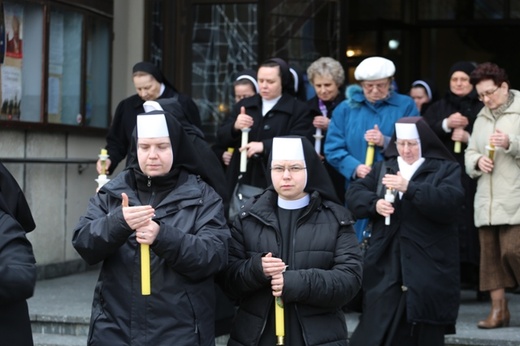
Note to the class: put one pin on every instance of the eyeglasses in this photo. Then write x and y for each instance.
(410, 145)
(487, 93)
(291, 169)
(378, 86)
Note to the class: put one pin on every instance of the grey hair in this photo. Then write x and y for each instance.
(326, 66)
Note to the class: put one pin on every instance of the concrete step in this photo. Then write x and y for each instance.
(60, 325)
(58, 340)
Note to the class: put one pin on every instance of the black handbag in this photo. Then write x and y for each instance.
(241, 193)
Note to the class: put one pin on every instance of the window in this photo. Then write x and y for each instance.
(75, 62)
(224, 42)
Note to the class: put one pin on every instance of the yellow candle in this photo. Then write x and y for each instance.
(230, 150)
(457, 147)
(104, 152)
(279, 320)
(369, 160)
(145, 270)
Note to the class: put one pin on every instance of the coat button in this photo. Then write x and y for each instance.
(404, 288)
(267, 127)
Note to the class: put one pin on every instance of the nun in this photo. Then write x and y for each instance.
(150, 84)
(411, 286)
(294, 241)
(160, 201)
(17, 262)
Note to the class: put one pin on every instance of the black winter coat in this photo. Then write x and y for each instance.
(337, 178)
(417, 253)
(18, 278)
(469, 106)
(125, 118)
(288, 117)
(190, 248)
(324, 271)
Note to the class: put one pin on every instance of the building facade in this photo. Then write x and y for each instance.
(59, 91)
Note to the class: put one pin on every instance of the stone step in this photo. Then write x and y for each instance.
(58, 340)
(61, 325)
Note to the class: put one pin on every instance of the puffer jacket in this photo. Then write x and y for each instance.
(190, 248)
(497, 201)
(324, 270)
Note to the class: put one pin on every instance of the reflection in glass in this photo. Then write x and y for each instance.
(224, 41)
(32, 75)
(64, 83)
(98, 74)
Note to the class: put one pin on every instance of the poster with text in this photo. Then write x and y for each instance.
(11, 71)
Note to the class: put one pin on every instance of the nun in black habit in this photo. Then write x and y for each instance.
(17, 263)
(411, 270)
(293, 241)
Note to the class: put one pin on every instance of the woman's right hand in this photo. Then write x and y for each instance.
(362, 170)
(243, 121)
(99, 167)
(384, 208)
(485, 164)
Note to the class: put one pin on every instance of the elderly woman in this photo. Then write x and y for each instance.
(327, 77)
(293, 241)
(411, 274)
(452, 118)
(366, 117)
(492, 159)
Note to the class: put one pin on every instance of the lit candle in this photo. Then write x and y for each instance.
(103, 157)
(457, 147)
(279, 320)
(243, 154)
(490, 151)
(145, 270)
(319, 135)
(102, 178)
(389, 197)
(369, 160)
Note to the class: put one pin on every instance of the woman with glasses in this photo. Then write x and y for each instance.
(366, 117)
(452, 118)
(492, 160)
(294, 241)
(411, 273)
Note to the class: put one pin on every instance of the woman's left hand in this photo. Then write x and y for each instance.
(499, 139)
(395, 182)
(277, 284)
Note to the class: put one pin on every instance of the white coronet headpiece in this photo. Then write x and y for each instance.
(152, 126)
(406, 131)
(287, 149)
(150, 106)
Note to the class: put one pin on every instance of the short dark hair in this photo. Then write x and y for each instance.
(489, 71)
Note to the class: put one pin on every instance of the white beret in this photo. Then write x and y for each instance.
(374, 68)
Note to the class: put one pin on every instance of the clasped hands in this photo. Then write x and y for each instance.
(274, 268)
(395, 182)
(139, 218)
